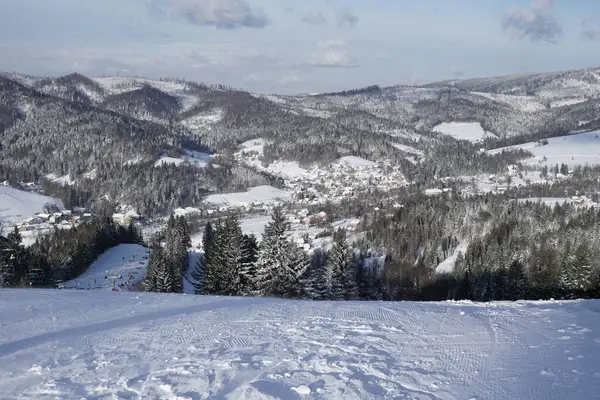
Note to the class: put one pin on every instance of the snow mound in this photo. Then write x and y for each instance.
(122, 265)
(17, 205)
(73, 344)
(260, 194)
(471, 131)
(355, 161)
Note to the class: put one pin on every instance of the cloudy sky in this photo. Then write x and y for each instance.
(292, 46)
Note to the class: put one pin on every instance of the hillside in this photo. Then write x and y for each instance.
(104, 135)
(73, 344)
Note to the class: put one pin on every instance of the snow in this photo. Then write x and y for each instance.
(255, 226)
(124, 264)
(408, 149)
(17, 205)
(61, 180)
(186, 211)
(168, 160)
(204, 119)
(522, 103)
(356, 161)
(433, 192)
(447, 266)
(262, 194)
(287, 169)
(254, 145)
(471, 131)
(83, 344)
(197, 158)
(577, 149)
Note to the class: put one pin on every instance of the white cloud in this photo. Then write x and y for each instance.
(590, 29)
(314, 18)
(345, 17)
(333, 54)
(538, 24)
(222, 14)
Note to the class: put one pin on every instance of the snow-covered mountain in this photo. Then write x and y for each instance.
(72, 125)
(73, 344)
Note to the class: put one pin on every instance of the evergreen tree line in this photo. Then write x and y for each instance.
(62, 255)
(169, 258)
(234, 264)
(503, 250)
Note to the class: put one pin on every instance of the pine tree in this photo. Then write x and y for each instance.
(208, 235)
(150, 282)
(212, 265)
(273, 256)
(292, 282)
(310, 279)
(577, 270)
(198, 277)
(248, 265)
(337, 265)
(164, 273)
(348, 266)
(231, 253)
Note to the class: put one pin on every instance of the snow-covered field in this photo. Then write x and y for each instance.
(193, 157)
(123, 267)
(471, 131)
(356, 161)
(577, 149)
(103, 345)
(262, 194)
(17, 205)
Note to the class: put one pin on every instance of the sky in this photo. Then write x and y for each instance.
(308, 46)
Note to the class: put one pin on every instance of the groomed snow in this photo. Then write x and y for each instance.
(577, 149)
(471, 131)
(356, 161)
(122, 265)
(262, 194)
(95, 344)
(17, 205)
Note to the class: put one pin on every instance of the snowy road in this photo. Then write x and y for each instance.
(103, 345)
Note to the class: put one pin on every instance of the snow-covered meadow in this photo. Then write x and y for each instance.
(16, 205)
(471, 131)
(261, 194)
(577, 149)
(97, 344)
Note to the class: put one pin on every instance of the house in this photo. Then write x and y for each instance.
(33, 221)
(44, 216)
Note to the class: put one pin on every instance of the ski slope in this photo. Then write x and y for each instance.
(122, 267)
(104, 345)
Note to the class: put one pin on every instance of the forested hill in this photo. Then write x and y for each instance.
(108, 133)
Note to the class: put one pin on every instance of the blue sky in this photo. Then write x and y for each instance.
(298, 46)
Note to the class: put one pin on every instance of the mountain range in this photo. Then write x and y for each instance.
(108, 129)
